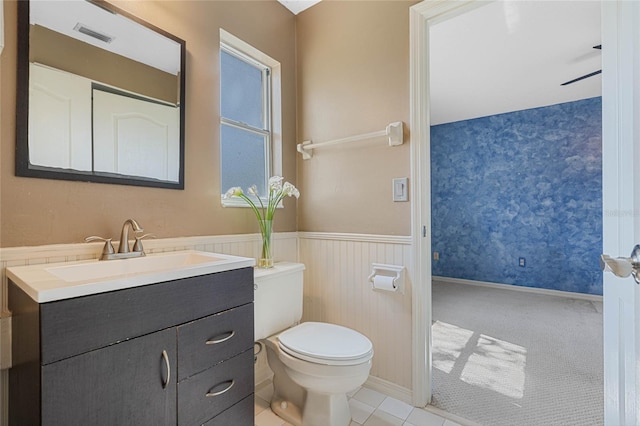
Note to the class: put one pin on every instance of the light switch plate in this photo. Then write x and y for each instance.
(400, 189)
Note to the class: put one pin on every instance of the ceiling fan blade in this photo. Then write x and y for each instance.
(591, 74)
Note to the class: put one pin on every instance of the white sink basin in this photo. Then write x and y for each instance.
(50, 282)
(139, 265)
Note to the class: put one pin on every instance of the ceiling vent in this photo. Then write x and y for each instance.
(92, 33)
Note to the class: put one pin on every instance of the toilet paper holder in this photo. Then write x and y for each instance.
(396, 272)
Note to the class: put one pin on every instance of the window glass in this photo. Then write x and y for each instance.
(244, 131)
(241, 93)
(243, 154)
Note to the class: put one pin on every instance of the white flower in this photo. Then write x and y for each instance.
(275, 183)
(277, 191)
(236, 191)
(289, 190)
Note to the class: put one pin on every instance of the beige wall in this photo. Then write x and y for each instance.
(353, 68)
(39, 211)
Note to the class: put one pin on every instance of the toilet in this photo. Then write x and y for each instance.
(314, 364)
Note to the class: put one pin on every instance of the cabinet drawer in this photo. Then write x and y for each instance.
(74, 326)
(241, 414)
(226, 384)
(206, 342)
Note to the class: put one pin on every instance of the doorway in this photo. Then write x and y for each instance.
(516, 200)
(619, 33)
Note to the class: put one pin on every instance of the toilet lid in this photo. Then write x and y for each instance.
(325, 342)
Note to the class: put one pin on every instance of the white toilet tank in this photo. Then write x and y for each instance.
(277, 298)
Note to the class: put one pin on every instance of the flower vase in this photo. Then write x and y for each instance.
(265, 261)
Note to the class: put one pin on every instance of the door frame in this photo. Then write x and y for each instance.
(620, 130)
(421, 17)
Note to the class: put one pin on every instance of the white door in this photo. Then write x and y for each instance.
(59, 119)
(135, 137)
(621, 202)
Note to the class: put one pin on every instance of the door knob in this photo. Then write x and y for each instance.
(623, 266)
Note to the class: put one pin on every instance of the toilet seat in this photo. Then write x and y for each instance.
(328, 344)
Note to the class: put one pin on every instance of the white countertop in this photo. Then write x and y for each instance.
(58, 281)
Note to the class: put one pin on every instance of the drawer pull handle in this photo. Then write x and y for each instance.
(165, 356)
(223, 339)
(231, 383)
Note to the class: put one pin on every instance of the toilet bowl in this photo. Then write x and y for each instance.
(314, 364)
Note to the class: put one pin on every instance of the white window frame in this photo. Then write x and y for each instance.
(233, 44)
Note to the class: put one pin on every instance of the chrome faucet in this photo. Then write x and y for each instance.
(124, 234)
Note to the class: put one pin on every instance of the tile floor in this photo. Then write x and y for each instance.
(368, 408)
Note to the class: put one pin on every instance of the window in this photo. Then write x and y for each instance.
(249, 117)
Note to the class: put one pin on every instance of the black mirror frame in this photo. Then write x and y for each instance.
(23, 166)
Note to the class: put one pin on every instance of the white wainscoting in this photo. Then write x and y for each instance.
(284, 246)
(337, 290)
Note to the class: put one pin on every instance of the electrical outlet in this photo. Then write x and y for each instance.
(522, 262)
(436, 255)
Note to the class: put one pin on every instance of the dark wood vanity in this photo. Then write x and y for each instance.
(175, 352)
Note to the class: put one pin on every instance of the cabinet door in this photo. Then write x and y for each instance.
(129, 383)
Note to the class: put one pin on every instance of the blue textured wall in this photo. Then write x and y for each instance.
(522, 184)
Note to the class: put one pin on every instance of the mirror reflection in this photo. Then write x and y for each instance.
(104, 96)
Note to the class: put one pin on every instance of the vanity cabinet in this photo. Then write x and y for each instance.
(175, 352)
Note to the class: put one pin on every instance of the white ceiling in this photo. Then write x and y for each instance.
(513, 55)
(297, 6)
(130, 39)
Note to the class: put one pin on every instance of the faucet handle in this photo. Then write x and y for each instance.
(108, 246)
(137, 246)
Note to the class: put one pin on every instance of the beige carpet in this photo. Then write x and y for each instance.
(511, 358)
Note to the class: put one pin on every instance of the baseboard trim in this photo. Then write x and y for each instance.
(389, 389)
(548, 292)
(262, 377)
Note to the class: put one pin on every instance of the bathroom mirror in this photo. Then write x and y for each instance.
(100, 96)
